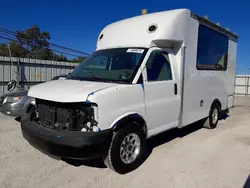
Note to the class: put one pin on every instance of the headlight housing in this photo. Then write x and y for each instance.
(12, 99)
(89, 120)
(32, 100)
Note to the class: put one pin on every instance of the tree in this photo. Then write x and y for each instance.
(16, 49)
(34, 43)
(4, 50)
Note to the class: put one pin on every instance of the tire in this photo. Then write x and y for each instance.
(213, 118)
(119, 145)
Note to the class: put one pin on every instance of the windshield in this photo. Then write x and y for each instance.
(112, 65)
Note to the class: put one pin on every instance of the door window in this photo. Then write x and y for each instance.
(158, 67)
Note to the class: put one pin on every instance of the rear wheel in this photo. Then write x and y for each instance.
(127, 148)
(213, 118)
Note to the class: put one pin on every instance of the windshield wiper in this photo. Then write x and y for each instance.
(101, 79)
(95, 78)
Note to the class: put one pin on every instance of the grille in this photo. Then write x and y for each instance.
(47, 115)
(62, 116)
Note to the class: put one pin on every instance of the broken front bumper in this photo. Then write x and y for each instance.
(66, 144)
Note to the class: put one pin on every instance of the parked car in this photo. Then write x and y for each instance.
(15, 103)
(18, 103)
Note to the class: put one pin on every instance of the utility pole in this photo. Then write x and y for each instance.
(12, 67)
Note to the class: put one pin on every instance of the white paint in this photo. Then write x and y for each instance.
(66, 90)
(230, 101)
(121, 117)
(162, 105)
(118, 101)
(133, 32)
(205, 85)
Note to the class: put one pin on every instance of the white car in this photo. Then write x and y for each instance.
(149, 74)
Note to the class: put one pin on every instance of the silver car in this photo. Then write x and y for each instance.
(15, 104)
(18, 104)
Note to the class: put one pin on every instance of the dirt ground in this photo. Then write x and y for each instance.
(191, 157)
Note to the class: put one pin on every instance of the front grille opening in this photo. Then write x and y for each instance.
(64, 116)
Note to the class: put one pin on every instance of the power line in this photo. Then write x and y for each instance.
(9, 32)
(6, 38)
(3, 37)
(58, 51)
(66, 48)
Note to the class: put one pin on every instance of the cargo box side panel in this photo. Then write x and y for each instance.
(202, 87)
(193, 86)
(231, 72)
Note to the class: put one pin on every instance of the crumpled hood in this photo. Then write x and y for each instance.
(67, 90)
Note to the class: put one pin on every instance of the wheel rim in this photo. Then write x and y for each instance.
(215, 116)
(130, 148)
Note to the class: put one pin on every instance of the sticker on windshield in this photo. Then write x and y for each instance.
(135, 50)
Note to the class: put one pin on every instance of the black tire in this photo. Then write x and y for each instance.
(209, 122)
(113, 159)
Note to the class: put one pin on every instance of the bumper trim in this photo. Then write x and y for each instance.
(66, 144)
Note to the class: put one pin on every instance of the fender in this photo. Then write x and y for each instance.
(216, 101)
(131, 116)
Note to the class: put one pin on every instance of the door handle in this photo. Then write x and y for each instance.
(175, 89)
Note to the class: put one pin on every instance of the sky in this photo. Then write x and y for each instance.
(77, 23)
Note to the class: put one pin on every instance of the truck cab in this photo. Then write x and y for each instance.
(130, 89)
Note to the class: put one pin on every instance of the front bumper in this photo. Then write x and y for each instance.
(66, 144)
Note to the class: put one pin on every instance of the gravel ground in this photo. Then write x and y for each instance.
(191, 157)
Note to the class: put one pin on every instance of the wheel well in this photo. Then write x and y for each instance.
(217, 101)
(131, 118)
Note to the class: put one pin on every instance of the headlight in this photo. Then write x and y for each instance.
(13, 99)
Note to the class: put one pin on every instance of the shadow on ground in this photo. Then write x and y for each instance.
(247, 184)
(153, 142)
(96, 163)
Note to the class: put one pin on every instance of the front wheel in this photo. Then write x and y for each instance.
(127, 149)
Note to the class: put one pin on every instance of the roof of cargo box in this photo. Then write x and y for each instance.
(144, 30)
(141, 30)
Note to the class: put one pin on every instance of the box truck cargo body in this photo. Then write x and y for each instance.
(149, 74)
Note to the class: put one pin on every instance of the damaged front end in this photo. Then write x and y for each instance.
(66, 116)
(65, 130)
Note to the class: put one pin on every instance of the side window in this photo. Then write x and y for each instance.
(212, 49)
(158, 67)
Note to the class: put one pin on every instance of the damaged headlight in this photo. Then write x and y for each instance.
(84, 119)
(32, 100)
(90, 120)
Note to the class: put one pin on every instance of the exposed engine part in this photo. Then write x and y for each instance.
(65, 116)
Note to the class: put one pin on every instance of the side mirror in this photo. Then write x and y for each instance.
(12, 85)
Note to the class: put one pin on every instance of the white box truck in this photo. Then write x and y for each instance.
(149, 74)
